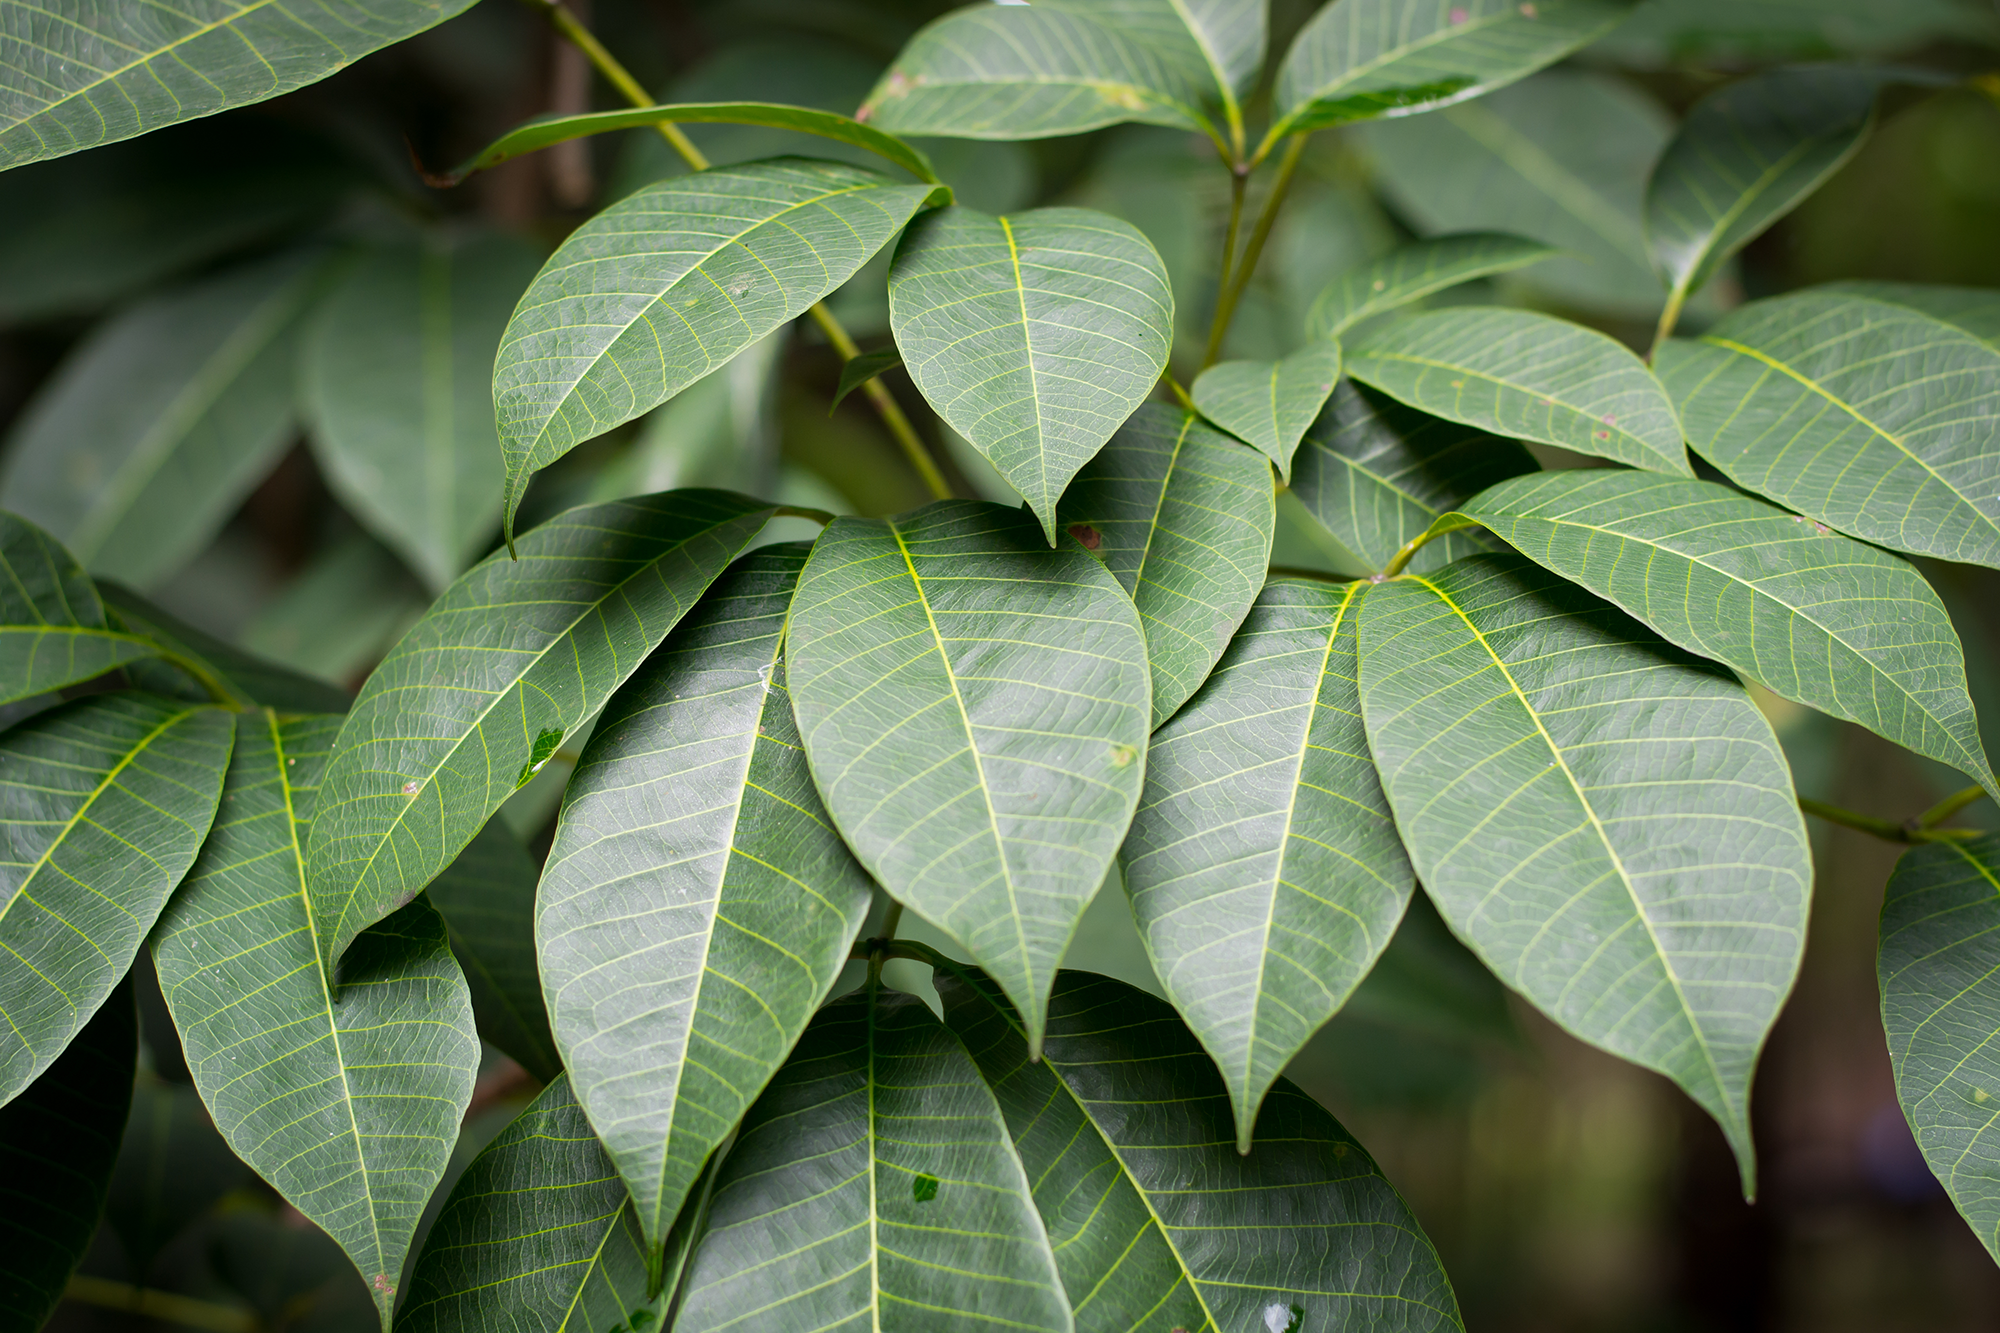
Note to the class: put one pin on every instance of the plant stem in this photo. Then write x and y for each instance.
(1181, 395)
(1408, 550)
(1669, 317)
(167, 1305)
(886, 407)
(891, 919)
(1239, 182)
(1246, 267)
(1949, 806)
(1886, 829)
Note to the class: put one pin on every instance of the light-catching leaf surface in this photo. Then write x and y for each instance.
(1412, 272)
(975, 709)
(874, 1184)
(53, 630)
(1035, 336)
(481, 691)
(1973, 309)
(1220, 42)
(487, 900)
(1807, 613)
(1124, 1128)
(697, 904)
(1869, 416)
(1184, 517)
(668, 283)
(1608, 822)
(103, 804)
(1529, 376)
(1263, 866)
(1270, 403)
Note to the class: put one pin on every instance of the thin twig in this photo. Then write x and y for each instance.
(1239, 181)
(168, 1305)
(1886, 829)
(1949, 806)
(1246, 267)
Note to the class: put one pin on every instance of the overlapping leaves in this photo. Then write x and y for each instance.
(53, 629)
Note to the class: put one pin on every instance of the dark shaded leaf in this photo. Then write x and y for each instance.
(487, 899)
(53, 630)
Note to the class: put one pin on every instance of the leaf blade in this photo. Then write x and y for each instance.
(1269, 404)
(1416, 270)
(53, 629)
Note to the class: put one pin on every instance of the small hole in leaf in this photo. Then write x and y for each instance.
(924, 1188)
(1284, 1318)
(545, 745)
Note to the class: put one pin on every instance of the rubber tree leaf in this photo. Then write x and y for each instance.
(859, 370)
(1034, 336)
(152, 432)
(487, 900)
(1807, 613)
(58, 1141)
(1973, 309)
(1939, 960)
(1124, 1126)
(397, 384)
(1377, 474)
(670, 282)
(1269, 404)
(53, 630)
(1184, 517)
(1216, 45)
(195, 665)
(1263, 866)
(103, 804)
(874, 1182)
(1411, 272)
(479, 694)
(975, 709)
(1529, 376)
(1608, 822)
(697, 904)
(1746, 155)
(1871, 417)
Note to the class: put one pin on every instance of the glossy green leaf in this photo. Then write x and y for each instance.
(1607, 822)
(1221, 41)
(1263, 866)
(1184, 517)
(1807, 613)
(198, 666)
(669, 283)
(1035, 336)
(1528, 376)
(397, 385)
(1269, 404)
(1973, 309)
(479, 694)
(863, 368)
(1124, 1128)
(487, 900)
(975, 709)
(874, 1184)
(1411, 272)
(1376, 474)
(142, 444)
(1871, 417)
(53, 630)
(103, 804)
(697, 904)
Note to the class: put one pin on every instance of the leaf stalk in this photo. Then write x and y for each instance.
(1669, 317)
(1909, 832)
(1245, 268)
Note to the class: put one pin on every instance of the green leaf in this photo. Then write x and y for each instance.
(58, 1141)
(1034, 336)
(859, 370)
(669, 283)
(200, 667)
(104, 803)
(1811, 615)
(1941, 1010)
(1269, 404)
(1220, 41)
(1376, 474)
(874, 1182)
(1359, 59)
(515, 652)
(1607, 822)
(1263, 866)
(1528, 376)
(148, 437)
(1124, 1126)
(487, 900)
(1746, 155)
(1973, 309)
(1184, 517)
(697, 904)
(53, 630)
(397, 388)
(1872, 418)
(1411, 272)
(79, 77)
(975, 709)
(341, 612)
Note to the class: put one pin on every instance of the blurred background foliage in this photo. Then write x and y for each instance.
(1565, 1189)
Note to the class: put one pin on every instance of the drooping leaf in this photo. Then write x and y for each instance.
(670, 282)
(1807, 613)
(1529, 376)
(697, 904)
(152, 432)
(1416, 270)
(196, 665)
(1184, 517)
(1608, 822)
(397, 383)
(975, 708)
(1376, 474)
(481, 691)
(103, 805)
(1871, 417)
(487, 900)
(349, 1110)
(1973, 309)
(1269, 404)
(1034, 336)
(863, 368)
(1263, 866)
(874, 1184)
(53, 630)
(1124, 1128)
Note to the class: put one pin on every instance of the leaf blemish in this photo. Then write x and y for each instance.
(1089, 536)
(412, 788)
(924, 1188)
(1123, 755)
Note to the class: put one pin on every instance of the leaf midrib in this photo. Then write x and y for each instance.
(1034, 377)
(1534, 165)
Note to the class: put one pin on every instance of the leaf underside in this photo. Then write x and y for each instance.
(53, 630)
(1269, 404)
